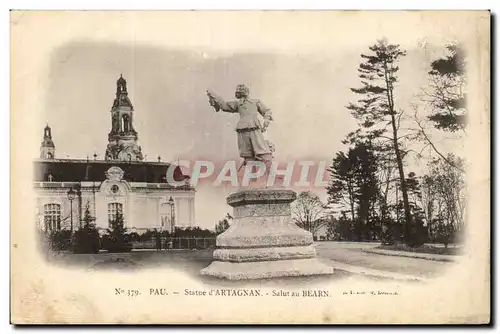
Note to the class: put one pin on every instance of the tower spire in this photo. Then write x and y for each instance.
(122, 139)
(47, 148)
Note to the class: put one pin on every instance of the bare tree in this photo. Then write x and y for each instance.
(422, 133)
(309, 212)
(444, 198)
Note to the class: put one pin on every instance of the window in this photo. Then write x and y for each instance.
(167, 216)
(52, 217)
(114, 188)
(113, 210)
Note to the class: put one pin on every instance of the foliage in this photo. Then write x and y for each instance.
(308, 212)
(86, 239)
(60, 240)
(341, 187)
(190, 232)
(117, 240)
(415, 200)
(223, 224)
(353, 182)
(447, 95)
(427, 249)
(375, 111)
(369, 189)
(445, 200)
(340, 229)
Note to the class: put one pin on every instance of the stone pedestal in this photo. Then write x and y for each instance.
(263, 241)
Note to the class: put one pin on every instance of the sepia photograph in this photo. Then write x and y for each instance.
(250, 167)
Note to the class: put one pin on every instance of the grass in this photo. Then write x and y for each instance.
(426, 249)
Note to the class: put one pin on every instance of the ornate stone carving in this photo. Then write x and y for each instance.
(114, 174)
(267, 254)
(263, 241)
(254, 210)
(261, 196)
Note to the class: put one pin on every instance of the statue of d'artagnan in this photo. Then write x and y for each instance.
(252, 144)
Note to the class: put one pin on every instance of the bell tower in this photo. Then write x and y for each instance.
(122, 139)
(47, 148)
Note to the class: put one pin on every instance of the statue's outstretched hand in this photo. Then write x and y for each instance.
(211, 100)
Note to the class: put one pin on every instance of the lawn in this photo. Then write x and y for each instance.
(426, 249)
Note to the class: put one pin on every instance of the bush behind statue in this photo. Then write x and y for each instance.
(86, 239)
(117, 240)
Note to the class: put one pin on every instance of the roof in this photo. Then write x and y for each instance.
(71, 170)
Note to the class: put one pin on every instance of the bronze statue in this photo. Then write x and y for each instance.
(252, 144)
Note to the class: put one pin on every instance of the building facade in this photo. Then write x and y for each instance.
(122, 183)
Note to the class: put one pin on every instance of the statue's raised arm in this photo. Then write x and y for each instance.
(252, 142)
(212, 100)
(218, 103)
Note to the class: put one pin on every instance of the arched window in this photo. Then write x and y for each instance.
(113, 210)
(167, 216)
(52, 217)
(126, 123)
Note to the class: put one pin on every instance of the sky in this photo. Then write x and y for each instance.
(305, 83)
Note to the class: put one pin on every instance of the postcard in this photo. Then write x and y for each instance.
(250, 167)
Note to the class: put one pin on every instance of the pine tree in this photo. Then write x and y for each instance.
(447, 95)
(341, 188)
(376, 110)
(86, 239)
(367, 190)
(118, 239)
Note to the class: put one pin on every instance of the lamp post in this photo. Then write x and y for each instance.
(71, 197)
(78, 188)
(172, 225)
(93, 195)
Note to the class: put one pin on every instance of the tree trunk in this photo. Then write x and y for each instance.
(399, 159)
(351, 200)
(406, 203)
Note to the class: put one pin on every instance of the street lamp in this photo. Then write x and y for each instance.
(71, 197)
(78, 188)
(171, 202)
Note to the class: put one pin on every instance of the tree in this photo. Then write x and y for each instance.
(444, 100)
(117, 240)
(86, 239)
(449, 197)
(341, 186)
(339, 228)
(376, 110)
(308, 212)
(367, 191)
(354, 183)
(418, 213)
(447, 95)
(223, 224)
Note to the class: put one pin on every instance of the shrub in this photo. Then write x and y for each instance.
(86, 239)
(117, 240)
(60, 240)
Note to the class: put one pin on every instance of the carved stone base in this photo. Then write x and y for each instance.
(263, 241)
(266, 269)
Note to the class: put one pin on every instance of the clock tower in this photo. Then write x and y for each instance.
(47, 148)
(122, 139)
